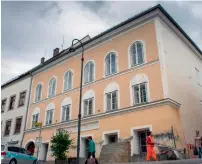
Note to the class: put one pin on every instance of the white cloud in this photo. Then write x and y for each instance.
(197, 10)
(28, 30)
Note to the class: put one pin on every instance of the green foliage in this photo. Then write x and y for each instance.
(60, 144)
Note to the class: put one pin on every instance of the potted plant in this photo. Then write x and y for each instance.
(60, 144)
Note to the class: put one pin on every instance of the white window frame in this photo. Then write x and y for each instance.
(49, 107)
(87, 95)
(36, 93)
(116, 64)
(51, 95)
(113, 86)
(48, 118)
(33, 126)
(71, 87)
(145, 83)
(116, 91)
(138, 79)
(66, 101)
(130, 54)
(92, 99)
(69, 108)
(88, 75)
(35, 111)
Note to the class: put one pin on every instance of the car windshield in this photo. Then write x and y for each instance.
(2, 147)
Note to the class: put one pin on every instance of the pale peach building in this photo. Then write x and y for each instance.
(132, 84)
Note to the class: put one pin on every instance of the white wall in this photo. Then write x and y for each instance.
(179, 78)
(14, 89)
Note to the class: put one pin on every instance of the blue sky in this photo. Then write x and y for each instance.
(31, 30)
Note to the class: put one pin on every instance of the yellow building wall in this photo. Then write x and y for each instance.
(161, 118)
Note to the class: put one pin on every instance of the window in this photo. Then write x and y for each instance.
(49, 117)
(139, 93)
(14, 149)
(88, 106)
(12, 102)
(22, 99)
(24, 151)
(65, 112)
(136, 53)
(89, 72)
(7, 128)
(110, 61)
(38, 92)
(3, 105)
(18, 125)
(111, 99)
(52, 87)
(35, 119)
(68, 80)
(198, 76)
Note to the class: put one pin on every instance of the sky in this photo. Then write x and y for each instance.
(31, 30)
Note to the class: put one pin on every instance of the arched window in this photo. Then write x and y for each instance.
(111, 65)
(52, 87)
(139, 86)
(49, 114)
(111, 93)
(68, 80)
(66, 106)
(88, 103)
(38, 92)
(35, 117)
(89, 72)
(136, 53)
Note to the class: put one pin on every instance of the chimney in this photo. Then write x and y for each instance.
(55, 51)
(42, 60)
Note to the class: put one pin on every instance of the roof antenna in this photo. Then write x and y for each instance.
(63, 40)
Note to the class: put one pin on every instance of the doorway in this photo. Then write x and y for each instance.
(111, 138)
(83, 147)
(31, 147)
(43, 151)
(142, 135)
(139, 135)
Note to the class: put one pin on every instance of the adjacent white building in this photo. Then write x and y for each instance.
(181, 69)
(14, 105)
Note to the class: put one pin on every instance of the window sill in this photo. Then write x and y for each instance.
(6, 135)
(67, 90)
(65, 121)
(89, 82)
(108, 111)
(140, 104)
(106, 76)
(137, 65)
(50, 96)
(86, 116)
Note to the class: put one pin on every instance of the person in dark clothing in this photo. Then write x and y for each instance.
(91, 149)
(91, 160)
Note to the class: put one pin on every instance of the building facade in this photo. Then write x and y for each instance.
(14, 105)
(128, 88)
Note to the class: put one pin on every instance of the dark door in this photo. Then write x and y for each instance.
(142, 141)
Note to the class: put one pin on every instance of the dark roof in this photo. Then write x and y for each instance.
(65, 52)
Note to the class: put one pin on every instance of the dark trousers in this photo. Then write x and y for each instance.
(93, 154)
